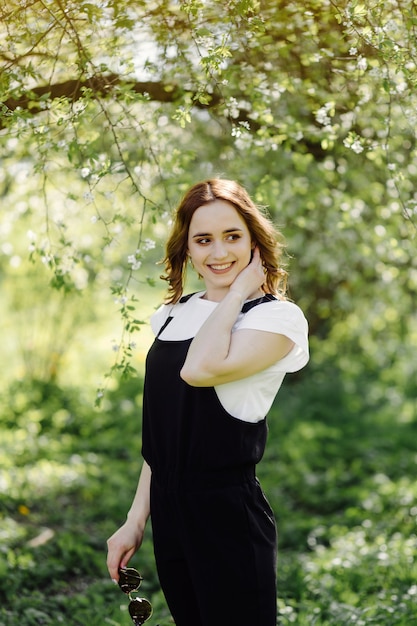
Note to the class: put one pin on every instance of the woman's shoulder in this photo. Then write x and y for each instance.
(272, 306)
(160, 316)
(167, 310)
(285, 318)
(273, 313)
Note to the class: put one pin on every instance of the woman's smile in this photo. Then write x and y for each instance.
(220, 268)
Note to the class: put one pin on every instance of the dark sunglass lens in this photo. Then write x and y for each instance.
(129, 579)
(140, 610)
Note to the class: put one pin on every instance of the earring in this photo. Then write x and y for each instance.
(192, 265)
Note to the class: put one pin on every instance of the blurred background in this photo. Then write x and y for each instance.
(109, 111)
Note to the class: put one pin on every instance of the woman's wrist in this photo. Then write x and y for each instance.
(237, 295)
(138, 520)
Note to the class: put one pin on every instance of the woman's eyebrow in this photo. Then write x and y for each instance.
(225, 232)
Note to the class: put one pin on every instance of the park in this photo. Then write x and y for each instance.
(109, 111)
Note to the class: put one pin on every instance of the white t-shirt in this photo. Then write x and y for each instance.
(250, 398)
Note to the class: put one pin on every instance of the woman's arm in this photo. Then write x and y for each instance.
(127, 540)
(217, 356)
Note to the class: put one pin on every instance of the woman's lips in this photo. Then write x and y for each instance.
(220, 267)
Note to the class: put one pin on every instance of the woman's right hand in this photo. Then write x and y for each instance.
(121, 546)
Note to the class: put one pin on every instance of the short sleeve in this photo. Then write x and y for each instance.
(284, 318)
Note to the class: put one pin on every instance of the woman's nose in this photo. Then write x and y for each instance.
(219, 250)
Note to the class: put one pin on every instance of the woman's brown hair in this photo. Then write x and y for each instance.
(263, 233)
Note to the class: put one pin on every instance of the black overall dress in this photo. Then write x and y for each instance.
(214, 532)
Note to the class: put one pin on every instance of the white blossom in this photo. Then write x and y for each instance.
(323, 114)
(134, 262)
(362, 63)
(357, 146)
(354, 143)
(233, 107)
(148, 244)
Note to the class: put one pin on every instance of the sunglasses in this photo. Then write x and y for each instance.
(140, 609)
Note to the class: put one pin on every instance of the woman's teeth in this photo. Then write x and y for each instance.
(221, 267)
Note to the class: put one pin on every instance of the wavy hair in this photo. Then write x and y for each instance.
(263, 233)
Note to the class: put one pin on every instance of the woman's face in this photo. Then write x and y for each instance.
(220, 245)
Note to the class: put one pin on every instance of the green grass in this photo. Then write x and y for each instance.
(339, 472)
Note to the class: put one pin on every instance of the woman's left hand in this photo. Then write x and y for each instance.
(250, 279)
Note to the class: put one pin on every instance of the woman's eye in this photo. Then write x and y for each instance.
(206, 240)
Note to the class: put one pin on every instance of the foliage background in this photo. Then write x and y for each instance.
(110, 110)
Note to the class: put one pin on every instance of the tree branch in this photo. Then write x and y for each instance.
(32, 101)
(102, 86)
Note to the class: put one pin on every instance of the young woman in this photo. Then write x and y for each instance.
(218, 360)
